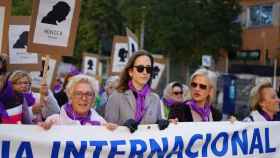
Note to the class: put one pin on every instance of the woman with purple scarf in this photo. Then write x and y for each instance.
(16, 99)
(19, 105)
(174, 94)
(81, 90)
(264, 103)
(133, 102)
(199, 108)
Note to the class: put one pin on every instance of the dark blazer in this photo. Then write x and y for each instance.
(183, 113)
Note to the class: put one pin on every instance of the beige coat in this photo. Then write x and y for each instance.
(121, 107)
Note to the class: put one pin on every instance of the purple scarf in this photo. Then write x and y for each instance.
(83, 119)
(203, 112)
(30, 99)
(140, 100)
(265, 115)
(57, 88)
(7, 91)
(168, 102)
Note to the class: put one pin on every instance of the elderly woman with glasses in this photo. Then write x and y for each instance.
(133, 102)
(264, 103)
(199, 108)
(174, 94)
(19, 105)
(81, 91)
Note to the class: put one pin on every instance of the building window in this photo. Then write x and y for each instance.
(260, 15)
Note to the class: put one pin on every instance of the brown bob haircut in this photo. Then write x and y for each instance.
(125, 78)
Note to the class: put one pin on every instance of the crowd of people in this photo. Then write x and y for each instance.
(127, 100)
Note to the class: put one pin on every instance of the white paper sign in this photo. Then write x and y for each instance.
(120, 57)
(206, 60)
(2, 17)
(36, 76)
(132, 45)
(18, 36)
(54, 21)
(157, 73)
(90, 65)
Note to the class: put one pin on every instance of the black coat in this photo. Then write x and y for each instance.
(183, 113)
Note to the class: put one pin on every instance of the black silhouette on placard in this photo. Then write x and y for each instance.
(22, 40)
(42, 70)
(123, 54)
(132, 47)
(155, 71)
(90, 65)
(58, 13)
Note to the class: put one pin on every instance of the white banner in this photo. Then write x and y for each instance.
(218, 139)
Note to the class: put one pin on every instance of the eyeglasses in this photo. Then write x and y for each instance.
(22, 83)
(178, 93)
(140, 68)
(81, 94)
(201, 86)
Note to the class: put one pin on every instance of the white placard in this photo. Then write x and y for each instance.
(120, 57)
(157, 73)
(132, 45)
(2, 18)
(37, 76)
(18, 36)
(54, 21)
(206, 60)
(90, 65)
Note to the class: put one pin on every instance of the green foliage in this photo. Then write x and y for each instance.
(99, 20)
(188, 29)
(185, 29)
(21, 7)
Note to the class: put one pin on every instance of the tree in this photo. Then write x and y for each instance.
(21, 7)
(188, 29)
(185, 29)
(99, 22)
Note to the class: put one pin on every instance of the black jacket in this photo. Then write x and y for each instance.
(183, 113)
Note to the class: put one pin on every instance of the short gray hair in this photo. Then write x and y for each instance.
(255, 96)
(81, 78)
(211, 77)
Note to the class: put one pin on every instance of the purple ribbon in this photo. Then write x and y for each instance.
(203, 112)
(140, 100)
(83, 119)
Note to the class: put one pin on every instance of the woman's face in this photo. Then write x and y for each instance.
(141, 71)
(200, 89)
(82, 98)
(177, 94)
(269, 100)
(22, 85)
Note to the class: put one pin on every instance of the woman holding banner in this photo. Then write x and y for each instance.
(81, 90)
(18, 104)
(133, 102)
(264, 103)
(174, 94)
(199, 108)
